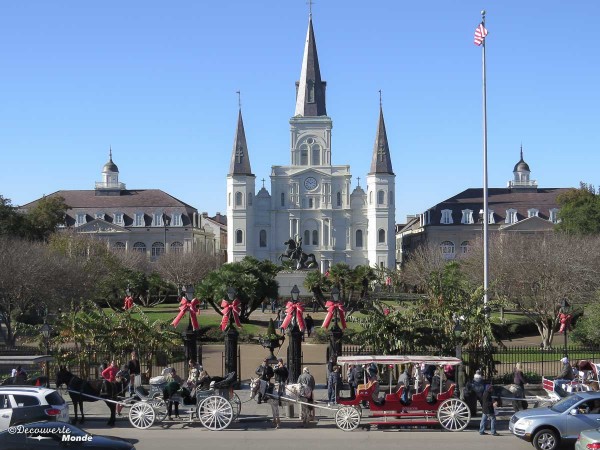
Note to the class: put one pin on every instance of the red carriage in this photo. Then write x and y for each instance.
(400, 408)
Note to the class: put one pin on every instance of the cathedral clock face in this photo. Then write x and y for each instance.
(310, 183)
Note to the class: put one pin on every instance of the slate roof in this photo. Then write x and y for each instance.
(499, 201)
(240, 159)
(129, 202)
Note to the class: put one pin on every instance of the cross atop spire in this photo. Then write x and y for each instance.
(239, 94)
(521, 151)
(358, 181)
(380, 103)
(309, 3)
(110, 152)
(381, 161)
(263, 182)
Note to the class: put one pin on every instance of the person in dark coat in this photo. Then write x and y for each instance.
(281, 376)
(265, 372)
(487, 411)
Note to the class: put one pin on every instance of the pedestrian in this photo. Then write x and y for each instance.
(450, 372)
(334, 384)
(193, 374)
(20, 376)
(310, 324)
(13, 373)
(135, 373)
(315, 305)
(307, 387)
(520, 379)
(109, 374)
(273, 304)
(487, 411)
(263, 305)
(330, 366)
(122, 378)
(281, 376)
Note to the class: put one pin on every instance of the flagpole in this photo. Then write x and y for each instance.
(485, 187)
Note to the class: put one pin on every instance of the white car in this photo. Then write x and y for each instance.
(24, 404)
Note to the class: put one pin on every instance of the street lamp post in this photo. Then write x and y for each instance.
(336, 334)
(294, 353)
(46, 331)
(231, 341)
(565, 313)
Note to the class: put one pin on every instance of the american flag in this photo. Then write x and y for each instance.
(480, 34)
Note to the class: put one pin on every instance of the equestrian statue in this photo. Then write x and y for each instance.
(294, 253)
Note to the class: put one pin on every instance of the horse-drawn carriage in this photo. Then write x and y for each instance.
(586, 379)
(434, 404)
(215, 407)
(431, 406)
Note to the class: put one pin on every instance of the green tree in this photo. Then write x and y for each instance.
(579, 210)
(11, 222)
(253, 281)
(45, 215)
(587, 329)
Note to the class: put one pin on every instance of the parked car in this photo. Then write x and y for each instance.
(588, 440)
(23, 404)
(546, 428)
(49, 435)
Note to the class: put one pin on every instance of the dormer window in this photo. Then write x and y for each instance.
(554, 215)
(80, 220)
(491, 216)
(157, 220)
(176, 220)
(118, 218)
(446, 216)
(138, 220)
(467, 216)
(532, 212)
(511, 216)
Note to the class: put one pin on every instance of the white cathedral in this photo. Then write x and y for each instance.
(311, 198)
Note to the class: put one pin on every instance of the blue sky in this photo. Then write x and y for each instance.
(157, 81)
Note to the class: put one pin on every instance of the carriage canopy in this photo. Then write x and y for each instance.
(399, 359)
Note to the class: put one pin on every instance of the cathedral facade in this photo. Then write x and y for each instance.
(312, 201)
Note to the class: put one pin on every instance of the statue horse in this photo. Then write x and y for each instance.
(19, 381)
(291, 250)
(257, 385)
(84, 391)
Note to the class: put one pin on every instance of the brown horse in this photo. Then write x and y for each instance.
(90, 391)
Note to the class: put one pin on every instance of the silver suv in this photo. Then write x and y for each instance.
(23, 404)
(547, 427)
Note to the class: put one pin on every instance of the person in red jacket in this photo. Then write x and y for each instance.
(110, 372)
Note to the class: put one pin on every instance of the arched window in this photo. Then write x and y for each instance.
(262, 238)
(158, 248)
(391, 195)
(315, 240)
(380, 197)
(310, 203)
(339, 199)
(306, 237)
(250, 198)
(176, 247)
(371, 198)
(359, 238)
(282, 199)
(139, 247)
(447, 248)
(229, 199)
(119, 247)
(239, 237)
(381, 236)
(238, 199)
(316, 155)
(304, 155)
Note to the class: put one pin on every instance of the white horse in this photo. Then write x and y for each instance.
(258, 386)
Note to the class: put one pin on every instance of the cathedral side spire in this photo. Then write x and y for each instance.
(310, 90)
(381, 161)
(240, 159)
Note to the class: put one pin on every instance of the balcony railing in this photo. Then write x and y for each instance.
(103, 185)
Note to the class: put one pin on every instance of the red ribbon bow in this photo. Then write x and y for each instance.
(128, 303)
(184, 306)
(228, 309)
(292, 308)
(331, 308)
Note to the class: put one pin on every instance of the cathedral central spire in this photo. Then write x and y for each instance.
(310, 90)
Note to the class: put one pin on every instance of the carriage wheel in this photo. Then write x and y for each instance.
(236, 403)
(160, 408)
(454, 414)
(215, 412)
(142, 415)
(347, 418)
